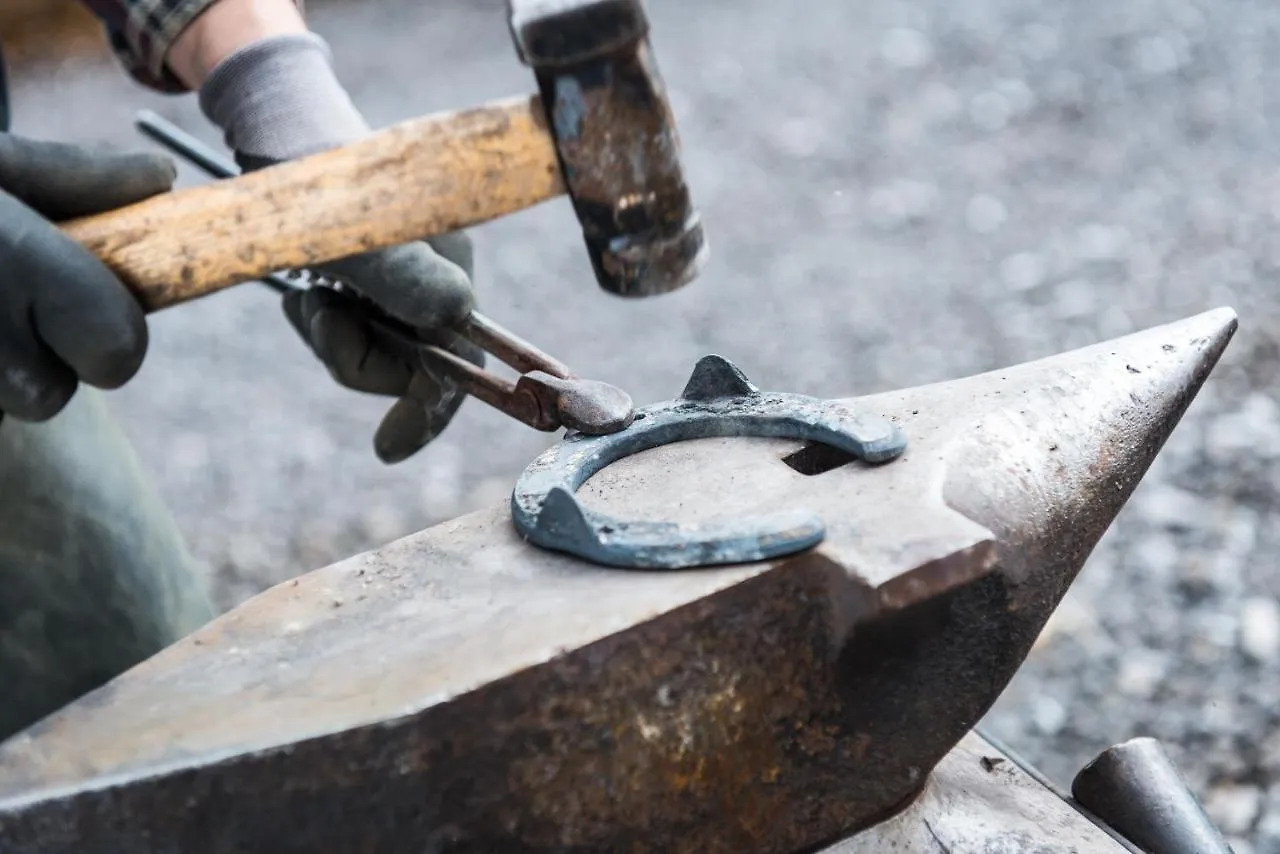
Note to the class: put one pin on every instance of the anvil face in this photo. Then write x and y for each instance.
(463, 690)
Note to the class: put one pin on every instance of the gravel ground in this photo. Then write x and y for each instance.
(898, 192)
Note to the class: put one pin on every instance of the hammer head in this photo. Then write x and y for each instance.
(616, 138)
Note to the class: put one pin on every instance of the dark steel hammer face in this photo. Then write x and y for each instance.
(616, 140)
(462, 690)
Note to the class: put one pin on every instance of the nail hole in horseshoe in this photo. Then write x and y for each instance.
(816, 458)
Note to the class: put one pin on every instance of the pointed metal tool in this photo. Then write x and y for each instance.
(1136, 789)
(463, 690)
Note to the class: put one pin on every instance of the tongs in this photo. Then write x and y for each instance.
(547, 395)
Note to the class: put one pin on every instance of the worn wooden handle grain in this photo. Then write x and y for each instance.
(414, 180)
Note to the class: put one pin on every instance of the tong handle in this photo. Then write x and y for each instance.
(513, 350)
(528, 399)
(547, 396)
(521, 403)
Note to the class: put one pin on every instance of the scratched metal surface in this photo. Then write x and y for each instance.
(895, 192)
(980, 802)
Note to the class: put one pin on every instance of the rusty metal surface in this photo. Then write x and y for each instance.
(979, 801)
(1135, 787)
(616, 140)
(461, 688)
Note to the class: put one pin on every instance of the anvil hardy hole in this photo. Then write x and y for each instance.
(816, 458)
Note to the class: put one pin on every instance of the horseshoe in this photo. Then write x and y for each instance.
(717, 401)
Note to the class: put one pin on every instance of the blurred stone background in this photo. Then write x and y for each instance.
(897, 192)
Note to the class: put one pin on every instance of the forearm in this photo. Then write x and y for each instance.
(263, 78)
(226, 27)
(171, 45)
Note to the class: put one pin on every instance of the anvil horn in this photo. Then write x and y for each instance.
(463, 689)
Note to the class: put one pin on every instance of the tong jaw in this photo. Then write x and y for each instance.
(590, 407)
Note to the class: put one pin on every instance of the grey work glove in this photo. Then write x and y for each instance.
(277, 100)
(64, 317)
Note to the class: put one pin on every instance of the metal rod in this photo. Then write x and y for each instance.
(180, 142)
(511, 348)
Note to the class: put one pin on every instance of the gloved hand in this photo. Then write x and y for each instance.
(279, 99)
(64, 317)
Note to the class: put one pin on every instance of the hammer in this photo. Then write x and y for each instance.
(599, 130)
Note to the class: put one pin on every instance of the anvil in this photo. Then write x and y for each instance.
(462, 689)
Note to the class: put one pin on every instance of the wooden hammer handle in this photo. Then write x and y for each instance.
(414, 180)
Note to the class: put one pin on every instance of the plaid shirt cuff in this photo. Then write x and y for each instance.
(142, 31)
